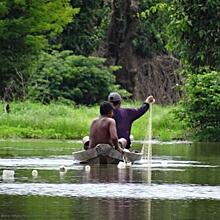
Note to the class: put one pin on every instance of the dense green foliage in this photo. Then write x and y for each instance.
(151, 36)
(89, 27)
(25, 27)
(56, 120)
(62, 75)
(31, 30)
(195, 38)
(200, 108)
(194, 31)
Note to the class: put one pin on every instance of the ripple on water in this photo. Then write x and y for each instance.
(113, 190)
(54, 163)
(40, 163)
(158, 163)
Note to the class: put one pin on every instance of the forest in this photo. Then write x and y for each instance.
(75, 52)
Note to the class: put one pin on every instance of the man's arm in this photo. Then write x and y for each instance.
(137, 113)
(113, 133)
(92, 134)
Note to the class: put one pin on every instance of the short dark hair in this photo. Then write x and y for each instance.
(105, 108)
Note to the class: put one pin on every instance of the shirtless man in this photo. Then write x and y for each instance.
(103, 129)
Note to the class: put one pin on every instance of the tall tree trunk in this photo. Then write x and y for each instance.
(142, 77)
(121, 33)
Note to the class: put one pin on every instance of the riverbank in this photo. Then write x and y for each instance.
(60, 121)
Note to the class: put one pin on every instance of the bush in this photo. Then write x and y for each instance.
(63, 76)
(200, 108)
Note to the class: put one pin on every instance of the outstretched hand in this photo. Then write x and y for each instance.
(150, 100)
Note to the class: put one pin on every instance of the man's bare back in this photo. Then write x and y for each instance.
(103, 131)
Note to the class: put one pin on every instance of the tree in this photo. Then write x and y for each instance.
(84, 34)
(151, 38)
(194, 32)
(25, 27)
(134, 43)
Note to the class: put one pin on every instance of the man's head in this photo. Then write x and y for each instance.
(114, 98)
(106, 109)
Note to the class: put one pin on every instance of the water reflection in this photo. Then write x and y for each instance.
(74, 208)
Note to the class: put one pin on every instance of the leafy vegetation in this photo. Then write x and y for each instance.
(64, 76)
(31, 68)
(194, 32)
(200, 107)
(151, 35)
(88, 28)
(194, 36)
(25, 27)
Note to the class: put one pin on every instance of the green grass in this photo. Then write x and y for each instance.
(164, 125)
(59, 121)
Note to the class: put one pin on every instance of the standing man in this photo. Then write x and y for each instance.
(124, 117)
(103, 129)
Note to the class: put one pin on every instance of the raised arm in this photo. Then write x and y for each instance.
(137, 113)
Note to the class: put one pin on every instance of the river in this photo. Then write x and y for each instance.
(184, 183)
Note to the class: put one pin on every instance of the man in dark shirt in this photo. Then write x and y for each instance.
(103, 129)
(124, 117)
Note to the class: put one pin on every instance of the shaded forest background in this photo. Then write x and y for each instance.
(78, 51)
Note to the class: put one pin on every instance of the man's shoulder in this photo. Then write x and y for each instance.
(95, 120)
(122, 109)
(131, 109)
(104, 120)
(110, 120)
(127, 109)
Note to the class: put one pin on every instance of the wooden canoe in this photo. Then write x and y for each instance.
(104, 154)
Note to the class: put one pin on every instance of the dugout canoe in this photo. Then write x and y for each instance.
(104, 154)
